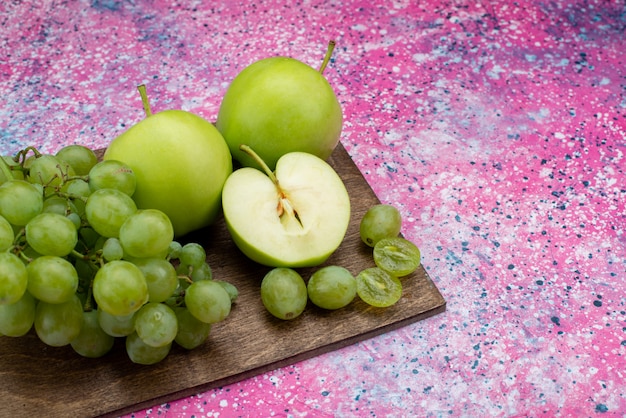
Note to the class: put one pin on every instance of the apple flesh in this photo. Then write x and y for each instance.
(279, 105)
(181, 163)
(295, 217)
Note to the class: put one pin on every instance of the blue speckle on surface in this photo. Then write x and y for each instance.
(602, 408)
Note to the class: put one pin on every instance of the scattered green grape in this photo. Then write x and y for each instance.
(147, 233)
(112, 174)
(208, 301)
(378, 288)
(380, 221)
(398, 256)
(156, 324)
(20, 201)
(284, 293)
(92, 341)
(331, 287)
(52, 279)
(51, 234)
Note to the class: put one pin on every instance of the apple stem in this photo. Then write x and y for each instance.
(144, 99)
(329, 53)
(245, 148)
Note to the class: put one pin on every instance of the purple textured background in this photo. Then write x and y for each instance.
(498, 128)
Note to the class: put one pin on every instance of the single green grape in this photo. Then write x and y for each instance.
(48, 170)
(120, 288)
(147, 233)
(112, 174)
(13, 278)
(331, 287)
(380, 221)
(76, 188)
(141, 353)
(15, 168)
(207, 301)
(398, 256)
(284, 293)
(75, 219)
(191, 331)
(52, 279)
(92, 341)
(59, 205)
(230, 288)
(112, 249)
(160, 276)
(192, 254)
(203, 272)
(20, 201)
(57, 324)
(6, 234)
(79, 157)
(184, 270)
(17, 318)
(175, 250)
(156, 324)
(378, 288)
(107, 209)
(116, 325)
(51, 234)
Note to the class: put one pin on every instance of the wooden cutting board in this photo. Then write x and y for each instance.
(38, 380)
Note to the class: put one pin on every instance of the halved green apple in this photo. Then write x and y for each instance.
(296, 216)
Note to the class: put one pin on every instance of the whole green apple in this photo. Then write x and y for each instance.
(279, 105)
(295, 217)
(180, 161)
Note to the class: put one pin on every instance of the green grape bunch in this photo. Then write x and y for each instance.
(81, 265)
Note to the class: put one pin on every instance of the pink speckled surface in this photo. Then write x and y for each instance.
(498, 128)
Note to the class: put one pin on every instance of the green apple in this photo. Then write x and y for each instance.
(279, 105)
(181, 163)
(294, 217)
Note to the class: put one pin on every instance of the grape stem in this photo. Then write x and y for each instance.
(88, 307)
(329, 53)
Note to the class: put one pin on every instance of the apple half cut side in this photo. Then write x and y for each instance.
(295, 217)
